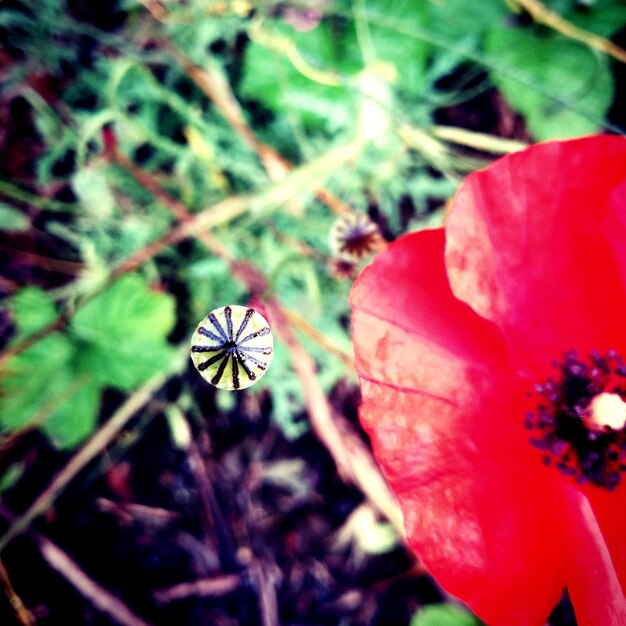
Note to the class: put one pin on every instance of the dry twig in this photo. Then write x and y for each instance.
(478, 141)
(22, 614)
(215, 86)
(101, 598)
(213, 587)
(264, 579)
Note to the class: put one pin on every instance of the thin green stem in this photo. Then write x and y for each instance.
(13, 192)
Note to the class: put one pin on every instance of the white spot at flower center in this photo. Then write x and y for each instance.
(606, 409)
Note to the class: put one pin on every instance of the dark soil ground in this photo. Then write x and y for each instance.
(151, 517)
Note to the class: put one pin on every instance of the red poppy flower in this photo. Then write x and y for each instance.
(490, 359)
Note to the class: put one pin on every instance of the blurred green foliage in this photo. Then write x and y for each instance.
(309, 76)
(444, 615)
(12, 220)
(117, 340)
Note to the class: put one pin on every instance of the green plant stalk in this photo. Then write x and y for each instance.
(479, 141)
(14, 192)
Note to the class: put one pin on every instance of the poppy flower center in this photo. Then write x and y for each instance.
(580, 418)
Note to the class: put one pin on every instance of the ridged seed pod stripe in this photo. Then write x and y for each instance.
(232, 347)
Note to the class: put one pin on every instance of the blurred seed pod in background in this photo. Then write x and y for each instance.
(232, 347)
(354, 236)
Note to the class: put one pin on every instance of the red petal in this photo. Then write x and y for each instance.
(480, 516)
(407, 302)
(437, 404)
(615, 228)
(526, 248)
(595, 557)
(609, 508)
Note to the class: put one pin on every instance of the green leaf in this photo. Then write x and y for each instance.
(456, 19)
(117, 339)
(124, 333)
(124, 364)
(33, 309)
(406, 53)
(444, 615)
(127, 310)
(36, 382)
(13, 220)
(551, 64)
(41, 387)
(75, 418)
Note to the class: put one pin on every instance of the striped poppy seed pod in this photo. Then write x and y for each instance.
(232, 347)
(354, 236)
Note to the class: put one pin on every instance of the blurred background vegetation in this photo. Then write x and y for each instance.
(162, 158)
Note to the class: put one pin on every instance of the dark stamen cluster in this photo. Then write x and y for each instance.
(561, 420)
